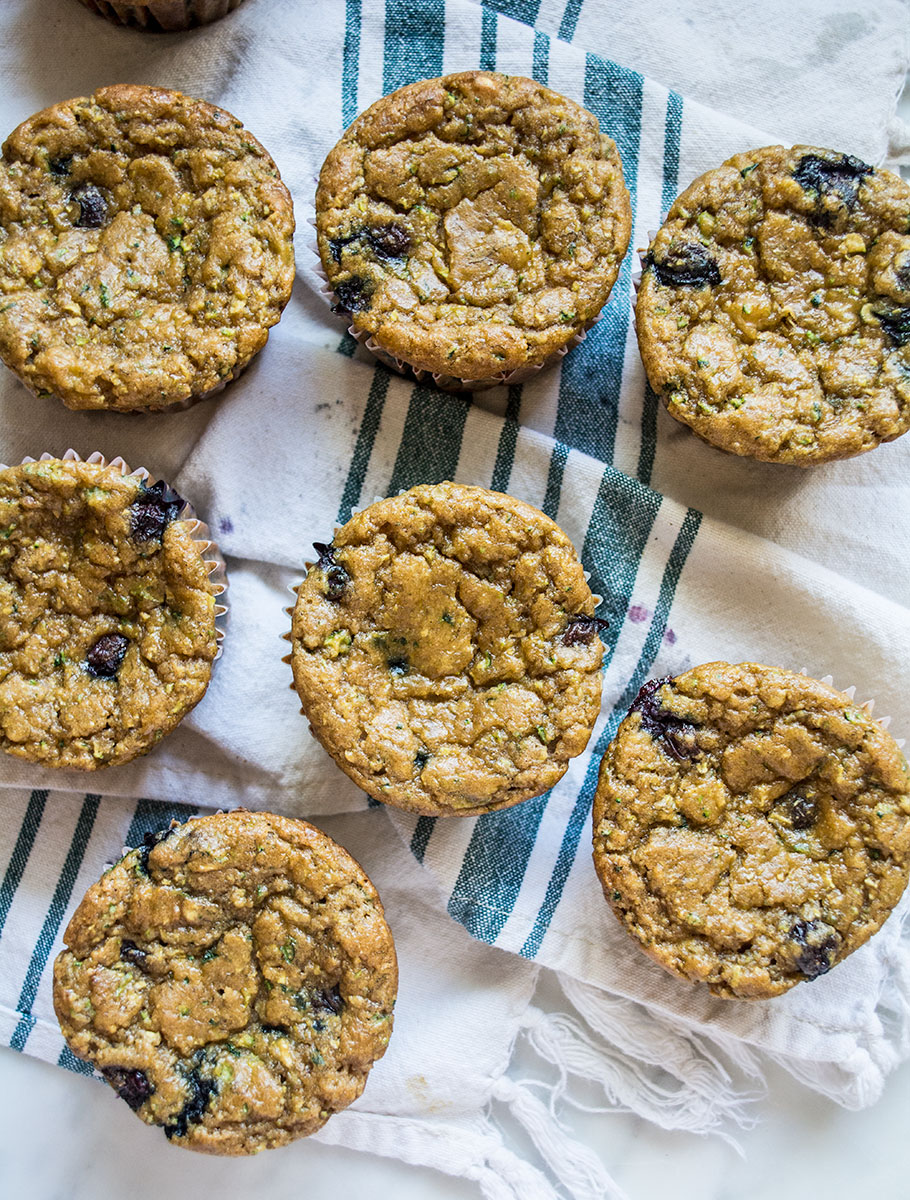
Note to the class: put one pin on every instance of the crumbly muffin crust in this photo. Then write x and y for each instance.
(473, 224)
(751, 826)
(145, 249)
(774, 310)
(445, 650)
(233, 981)
(107, 614)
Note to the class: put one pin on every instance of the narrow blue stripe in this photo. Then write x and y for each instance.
(363, 448)
(487, 40)
(621, 522)
(494, 867)
(423, 831)
(508, 440)
(70, 1062)
(15, 868)
(346, 346)
(519, 10)
(350, 63)
(541, 67)
(431, 441)
(592, 373)
(672, 135)
(414, 41)
(569, 847)
(61, 898)
(554, 480)
(569, 20)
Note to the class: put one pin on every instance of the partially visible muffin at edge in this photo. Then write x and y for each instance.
(107, 614)
(751, 826)
(145, 249)
(445, 650)
(773, 315)
(162, 16)
(473, 225)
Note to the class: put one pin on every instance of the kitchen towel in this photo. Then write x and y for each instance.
(697, 555)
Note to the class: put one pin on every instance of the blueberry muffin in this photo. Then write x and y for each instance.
(107, 614)
(145, 249)
(774, 310)
(232, 980)
(162, 15)
(446, 652)
(472, 225)
(751, 826)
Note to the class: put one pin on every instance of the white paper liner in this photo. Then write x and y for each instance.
(212, 556)
(445, 383)
(162, 16)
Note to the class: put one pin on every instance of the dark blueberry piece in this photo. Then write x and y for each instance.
(837, 175)
(328, 1000)
(802, 811)
(896, 323)
(398, 666)
(92, 206)
(130, 1085)
(274, 1029)
(201, 1091)
(421, 758)
(336, 577)
(389, 241)
(149, 842)
(131, 953)
(104, 658)
(337, 245)
(581, 630)
(153, 510)
(688, 264)
(353, 295)
(318, 1026)
(59, 167)
(677, 736)
(818, 942)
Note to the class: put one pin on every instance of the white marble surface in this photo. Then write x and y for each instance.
(63, 1137)
(67, 1138)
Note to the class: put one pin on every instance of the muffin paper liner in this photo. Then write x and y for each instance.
(212, 556)
(445, 383)
(162, 16)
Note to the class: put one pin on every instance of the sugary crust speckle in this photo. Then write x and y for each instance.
(243, 968)
(473, 224)
(437, 668)
(145, 249)
(73, 571)
(797, 348)
(761, 837)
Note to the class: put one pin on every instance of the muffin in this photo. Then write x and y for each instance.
(751, 826)
(446, 652)
(162, 15)
(145, 249)
(107, 613)
(472, 226)
(774, 310)
(232, 980)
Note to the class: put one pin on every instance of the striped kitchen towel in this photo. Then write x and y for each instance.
(698, 556)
